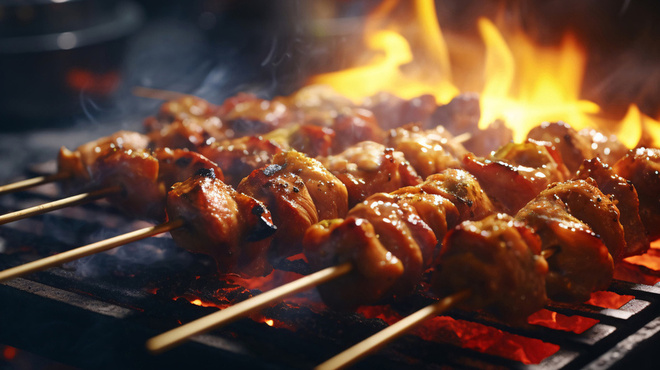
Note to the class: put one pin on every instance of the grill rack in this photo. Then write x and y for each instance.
(102, 319)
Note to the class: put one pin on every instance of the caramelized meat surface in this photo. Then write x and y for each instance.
(626, 200)
(239, 157)
(429, 151)
(375, 269)
(463, 190)
(233, 228)
(579, 261)
(78, 162)
(299, 191)
(641, 167)
(497, 260)
(574, 148)
(368, 168)
(516, 173)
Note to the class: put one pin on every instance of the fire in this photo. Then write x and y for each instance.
(519, 81)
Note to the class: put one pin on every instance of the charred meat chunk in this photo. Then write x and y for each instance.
(526, 167)
(641, 167)
(368, 168)
(233, 228)
(497, 260)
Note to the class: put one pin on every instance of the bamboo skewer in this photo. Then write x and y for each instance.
(392, 332)
(35, 181)
(158, 94)
(58, 204)
(176, 336)
(88, 250)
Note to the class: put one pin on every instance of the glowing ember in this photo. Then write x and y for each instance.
(554, 320)
(472, 335)
(523, 83)
(608, 299)
(9, 353)
(269, 322)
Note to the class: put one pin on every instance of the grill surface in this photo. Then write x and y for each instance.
(98, 311)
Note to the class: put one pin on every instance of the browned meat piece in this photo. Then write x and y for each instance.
(463, 190)
(189, 133)
(626, 200)
(484, 141)
(176, 165)
(573, 147)
(299, 192)
(437, 212)
(460, 115)
(375, 269)
(233, 228)
(497, 260)
(606, 147)
(245, 114)
(239, 157)
(429, 151)
(329, 194)
(368, 168)
(136, 171)
(579, 261)
(516, 173)
(77, 162)
(357, 126)
(401, 231)
(188, 106)
(392, 111)
(641, 167)
(312, 140)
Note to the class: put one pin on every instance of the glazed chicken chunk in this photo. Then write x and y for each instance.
(233, 228)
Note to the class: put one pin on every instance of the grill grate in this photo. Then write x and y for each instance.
(99, 311)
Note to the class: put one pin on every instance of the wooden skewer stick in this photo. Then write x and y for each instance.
(462, 137)
(176, 336)
(35, 181)
(58, 204)
(158, 94)
(88, 250)
(392, 332)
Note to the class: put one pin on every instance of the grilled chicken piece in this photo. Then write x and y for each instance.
(180, 109)
(573, 147)
(463, 190)
(189, 133)
(239, 157)
(299, 191)
(402, 228)
(233, 228)
(375, 269)
(526, 167)
(580, 262)
(497, 260)
(391, 240)
(606, 147)
(353, 127)
(641, 167)
(145, 177)
(246, 114)
(403, 232)
(78, 162)
(368, 168)
(626, 200)
(392, 111)
(428, 151)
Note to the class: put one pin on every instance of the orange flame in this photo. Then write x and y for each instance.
(523, 83)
